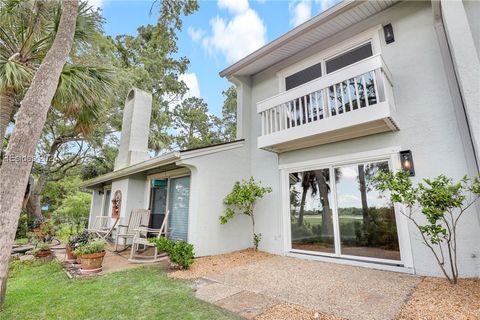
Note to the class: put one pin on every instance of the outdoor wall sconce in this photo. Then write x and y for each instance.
(406, 160)
(100, 192)
(388, 32)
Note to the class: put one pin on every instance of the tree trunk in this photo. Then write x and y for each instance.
(34, 208)
(7, 104)
(302, 207)
(31, 118)
(363, 194)
(327, 225)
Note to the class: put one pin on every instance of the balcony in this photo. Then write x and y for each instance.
(351, 102)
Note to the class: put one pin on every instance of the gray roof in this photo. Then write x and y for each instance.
(322, 26)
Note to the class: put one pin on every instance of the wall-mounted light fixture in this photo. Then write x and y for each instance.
(388, 32)
(406, 160)
(100, 192)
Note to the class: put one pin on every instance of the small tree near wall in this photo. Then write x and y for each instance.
(242, 200)
(442, 203)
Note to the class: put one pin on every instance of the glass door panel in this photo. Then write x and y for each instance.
(310, 211)
(179, 205)
(366, 217)
(158, 204)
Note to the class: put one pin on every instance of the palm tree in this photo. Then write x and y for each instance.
(34, 108)
(308, 182)
(27, 31)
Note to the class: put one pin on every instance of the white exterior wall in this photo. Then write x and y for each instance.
(212, 178)
(133, 195)
(472, 9)
(427, 126)
(95, 206)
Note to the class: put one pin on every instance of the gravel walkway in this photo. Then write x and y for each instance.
(345, 291)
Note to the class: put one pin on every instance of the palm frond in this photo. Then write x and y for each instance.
(82, 92)
(14, 75)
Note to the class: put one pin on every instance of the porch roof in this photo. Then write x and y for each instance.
(164, 160)
(333, 20)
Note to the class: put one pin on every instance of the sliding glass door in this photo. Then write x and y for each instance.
(174, 194)
(338, 211)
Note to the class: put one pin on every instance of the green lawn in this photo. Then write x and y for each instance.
(42, 291)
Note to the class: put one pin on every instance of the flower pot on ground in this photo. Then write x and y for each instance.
(91, 255)
(69, 252)
(74, 242)
(92, 261)
(42, 250)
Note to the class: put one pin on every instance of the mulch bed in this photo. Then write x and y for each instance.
(204, 266)
(288, 311)
(437, 299)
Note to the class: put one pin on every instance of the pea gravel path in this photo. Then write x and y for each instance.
(345, 291)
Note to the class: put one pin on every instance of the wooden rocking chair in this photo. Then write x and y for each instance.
(138, 218)
(141, 237)
(100, 227)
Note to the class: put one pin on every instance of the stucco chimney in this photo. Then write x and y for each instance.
(135, 129)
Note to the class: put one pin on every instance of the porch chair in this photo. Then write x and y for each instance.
(141, 237)
(138, 218)
(100, 227)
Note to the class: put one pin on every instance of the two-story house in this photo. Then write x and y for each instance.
(362, 87)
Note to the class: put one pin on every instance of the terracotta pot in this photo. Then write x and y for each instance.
(43, 253)
(91, 261)
(70, 254)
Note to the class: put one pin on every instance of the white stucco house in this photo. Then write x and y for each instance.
(334, 100)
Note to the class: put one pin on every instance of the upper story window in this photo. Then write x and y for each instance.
(303, 76)
(341, 55)
(347, 58)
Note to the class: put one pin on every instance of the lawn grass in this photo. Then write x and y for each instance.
(21, 241)
(42, 291)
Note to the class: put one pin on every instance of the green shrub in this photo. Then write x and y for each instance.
(163, 244)
(91, 247)
(180, 252)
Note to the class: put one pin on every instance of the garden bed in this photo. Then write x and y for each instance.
(204, 266)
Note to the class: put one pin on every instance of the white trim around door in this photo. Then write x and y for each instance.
(391, 155)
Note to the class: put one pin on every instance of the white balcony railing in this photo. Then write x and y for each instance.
(316, 104)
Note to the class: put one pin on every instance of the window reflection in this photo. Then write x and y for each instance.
(366, 218)
(310, 211)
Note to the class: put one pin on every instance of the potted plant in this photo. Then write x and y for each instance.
(91, 255)
(76, 241)
(42, 250)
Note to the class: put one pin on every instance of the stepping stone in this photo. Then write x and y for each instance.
(27, 257)
(22, 249)
(201, 282)
(247, 304)
(215, 291)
